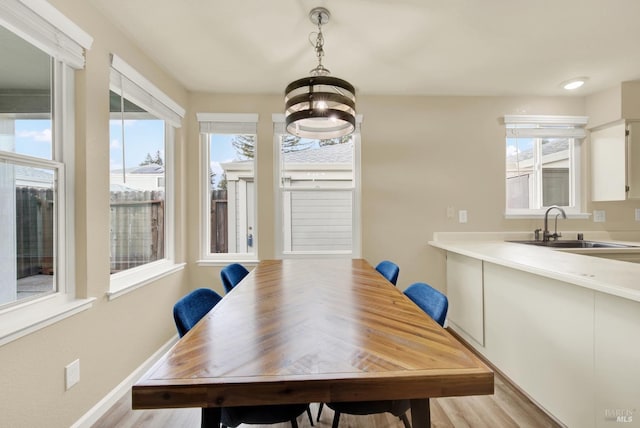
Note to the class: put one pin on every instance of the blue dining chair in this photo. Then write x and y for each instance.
(192, 307)
(431, 301)
(231, 275)
(389, 270)
(187, 312)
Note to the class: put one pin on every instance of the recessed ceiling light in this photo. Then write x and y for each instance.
(572, 84)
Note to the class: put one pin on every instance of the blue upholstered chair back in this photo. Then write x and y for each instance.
(192, 307)
(430, 300)
(389, 270)
(231, 275)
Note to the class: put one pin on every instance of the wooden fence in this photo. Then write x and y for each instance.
(137, 228)
(34, 231)
(219, 222)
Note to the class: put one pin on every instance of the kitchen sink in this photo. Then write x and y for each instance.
(575, 244)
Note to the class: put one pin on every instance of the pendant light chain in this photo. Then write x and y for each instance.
(320, 70)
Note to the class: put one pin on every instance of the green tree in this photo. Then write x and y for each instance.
(152, 160)
(245, 146)
(222, 185)
(212, 176)
(291, 143)
(334, 141)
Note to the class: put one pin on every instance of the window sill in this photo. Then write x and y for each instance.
(132, 279)
(24, 319)
(226, 261)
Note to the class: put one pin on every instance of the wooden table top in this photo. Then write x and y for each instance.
(298, 331)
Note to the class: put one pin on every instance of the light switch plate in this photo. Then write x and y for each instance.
(449, 211)
(462, 216)
(599, 216)
(637, 214)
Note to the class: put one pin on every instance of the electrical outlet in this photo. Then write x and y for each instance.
(599, 216)
(637, 214)
(462, 216)
(72, 373)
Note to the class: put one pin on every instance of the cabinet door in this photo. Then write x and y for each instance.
(633, 169)
(465, 293)
(617, 347)
(608, 164)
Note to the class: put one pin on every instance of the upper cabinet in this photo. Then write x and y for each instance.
(614, 121)
(615, 162)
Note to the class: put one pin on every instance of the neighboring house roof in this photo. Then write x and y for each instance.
(33, 175)
(148, 169)
(553, 145)
(143, 169)
(336, 153)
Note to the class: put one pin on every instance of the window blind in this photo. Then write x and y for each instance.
(534, 126)
(228, 123)
(45, 27)
(137, 89)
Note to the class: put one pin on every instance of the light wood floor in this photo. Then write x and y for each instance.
(506, 408)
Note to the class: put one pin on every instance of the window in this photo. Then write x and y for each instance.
(543, 163)
(141, 127)
(317, 194)
(229, 220)
(36, 166)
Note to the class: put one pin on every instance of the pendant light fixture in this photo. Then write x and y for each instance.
(320, 106)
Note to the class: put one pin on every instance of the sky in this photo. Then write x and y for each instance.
(141, 137)
(518, 145)
(33, 138)
(220, 151)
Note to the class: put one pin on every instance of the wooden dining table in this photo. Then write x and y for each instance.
(303, 331)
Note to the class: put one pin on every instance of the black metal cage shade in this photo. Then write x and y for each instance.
(320, 107)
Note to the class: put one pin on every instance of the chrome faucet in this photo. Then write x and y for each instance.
(555, 235)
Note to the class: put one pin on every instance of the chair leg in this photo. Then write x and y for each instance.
(319, 412)
(405, 420)
(309, 414)
(294, 423)
(336, 420)
(210, 417)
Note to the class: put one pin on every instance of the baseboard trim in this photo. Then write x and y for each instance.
(97, 411)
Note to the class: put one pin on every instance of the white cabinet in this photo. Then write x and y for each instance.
(539, 333)
(465, 294)
(617, 357)
(615, 162)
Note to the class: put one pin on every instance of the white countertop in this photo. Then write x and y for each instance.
(618, 278)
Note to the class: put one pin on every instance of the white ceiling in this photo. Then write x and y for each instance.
(409, 47)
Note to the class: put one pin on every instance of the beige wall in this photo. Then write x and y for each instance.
(114, 337)
(420, 155)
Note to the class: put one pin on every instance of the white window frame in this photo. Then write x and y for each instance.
(356, 245)
(40, 24)
(224, 123)
(573, 127)
(151, 98)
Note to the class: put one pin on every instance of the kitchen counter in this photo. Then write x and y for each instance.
(561, 326)
(614, 277)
